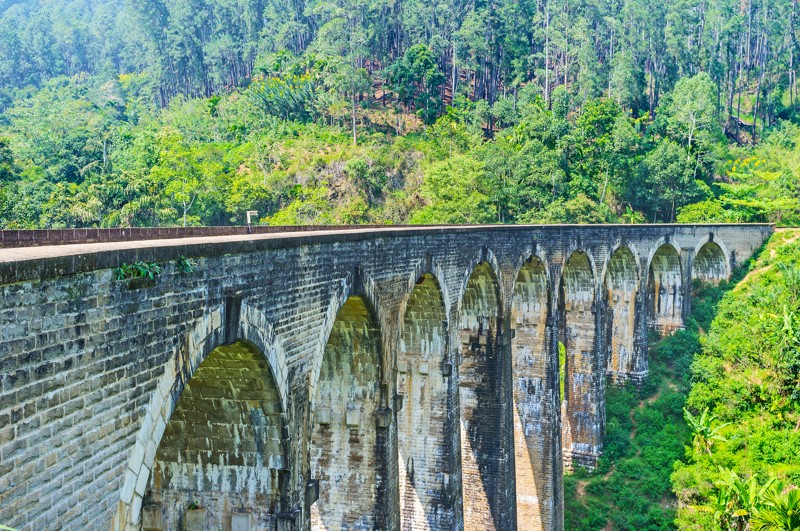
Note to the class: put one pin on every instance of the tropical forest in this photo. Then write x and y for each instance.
(145, 113)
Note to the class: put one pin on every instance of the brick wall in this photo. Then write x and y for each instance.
(532, 408)
(344, 451)
(582, 411)
(666, 290)
(479, 384)
(620, 288)
(223, 448)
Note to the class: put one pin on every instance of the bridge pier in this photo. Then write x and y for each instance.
(583, 414)
(537, 436)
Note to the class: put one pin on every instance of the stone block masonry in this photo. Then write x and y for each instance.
(374, 378)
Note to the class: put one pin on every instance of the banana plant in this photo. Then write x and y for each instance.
(704, 431)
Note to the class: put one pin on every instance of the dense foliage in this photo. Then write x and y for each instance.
(81, 152)
(192, 112)
(635, 51)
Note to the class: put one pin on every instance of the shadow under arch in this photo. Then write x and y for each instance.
(711, 263)
(207, 334)
(480, 379)
(621, 282)
(583, 416)
(530, 349)
(422, 422)
(345, 443)
(665, 289)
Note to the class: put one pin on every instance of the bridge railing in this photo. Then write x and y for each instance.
(42, 237)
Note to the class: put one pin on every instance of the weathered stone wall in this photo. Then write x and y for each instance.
(92, 368)
(709, 264)
(583, 412)
(620, 291)
(479, 377)
(533, 413)
(665, 290)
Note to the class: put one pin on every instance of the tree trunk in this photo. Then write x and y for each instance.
(355, 138)
(547, 56)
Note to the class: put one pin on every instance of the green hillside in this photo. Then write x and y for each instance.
(184, 112)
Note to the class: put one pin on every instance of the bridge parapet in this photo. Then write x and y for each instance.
(92, 368)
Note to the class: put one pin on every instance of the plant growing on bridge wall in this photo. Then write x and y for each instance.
(184, 265)
(140, 269)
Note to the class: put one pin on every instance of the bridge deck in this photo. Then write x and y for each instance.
(37, 245)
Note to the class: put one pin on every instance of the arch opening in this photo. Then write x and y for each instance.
(530, 350)
(223, 450)
(620, 289)
(344, 440)
(582, 409)
(421, 423)
(665, 291)
(710, 264)
(480, 397)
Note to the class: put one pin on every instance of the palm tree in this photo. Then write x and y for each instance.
(704, 433)
(748, 496)
(780, 509)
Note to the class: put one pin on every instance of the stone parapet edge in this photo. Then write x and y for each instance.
(61, 260)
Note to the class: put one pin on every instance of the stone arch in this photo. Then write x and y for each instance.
(620, 290)
(427, 267)
(480, 326)
(224, 447)
(205, 336)
(344, 447)
(665, 289)
(421, 423)
(352, 285)
(582, 401)
(486, 259)
(530, 352)
(710, 263)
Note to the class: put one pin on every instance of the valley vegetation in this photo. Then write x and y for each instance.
(712, 439)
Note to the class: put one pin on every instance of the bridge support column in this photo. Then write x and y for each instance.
(640, 364)
(583, 405)
(537, 438)
(553, 459)
(687, 261)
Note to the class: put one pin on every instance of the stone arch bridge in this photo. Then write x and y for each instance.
(371, 378)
